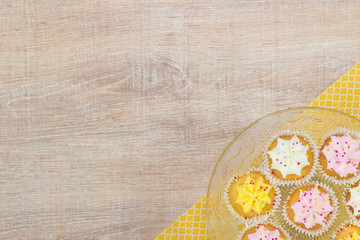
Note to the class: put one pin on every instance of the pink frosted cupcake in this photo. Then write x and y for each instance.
(311, 209)
(340, 157)
(266, 231)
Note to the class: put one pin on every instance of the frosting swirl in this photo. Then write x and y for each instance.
(312, 208)
(354, 200)
(289, 156)
(352, 236)
(342, 155)
(263, 233)
(253, 194)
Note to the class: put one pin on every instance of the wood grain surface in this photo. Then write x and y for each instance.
(113, 113)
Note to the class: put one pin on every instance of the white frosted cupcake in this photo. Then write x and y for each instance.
(291, 157)
(352, 200)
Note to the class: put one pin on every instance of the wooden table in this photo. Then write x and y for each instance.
(113, 113)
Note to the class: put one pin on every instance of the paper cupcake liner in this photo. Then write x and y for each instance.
(350, 180)
(314, 150)
(332, 216)
(348, 211)
(342, 226)
(257, 218)
(282, 230)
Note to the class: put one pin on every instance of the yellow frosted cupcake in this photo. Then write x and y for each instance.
(250, 195)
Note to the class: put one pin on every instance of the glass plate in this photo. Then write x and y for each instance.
(245, 152)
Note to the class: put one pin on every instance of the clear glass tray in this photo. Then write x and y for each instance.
(245, 152)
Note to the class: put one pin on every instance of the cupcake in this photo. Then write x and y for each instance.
(349, 235)
(311, 209)
(347, 231)
(352, 200)
(291, 157)
(264, 231)
(250, 195)
(340, 157)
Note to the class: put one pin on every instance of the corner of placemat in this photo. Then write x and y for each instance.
(343, 95)
(190, 225)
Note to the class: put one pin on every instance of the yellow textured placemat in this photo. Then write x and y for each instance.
(343, 95)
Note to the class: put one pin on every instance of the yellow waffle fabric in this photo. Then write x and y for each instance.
(343, 95)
